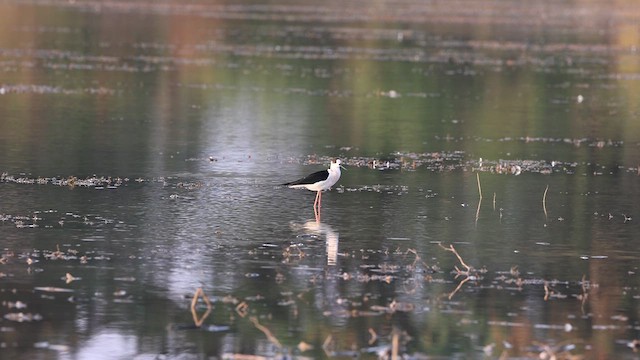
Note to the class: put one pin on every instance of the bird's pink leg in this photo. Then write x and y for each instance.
(315, 203)
(316, 207)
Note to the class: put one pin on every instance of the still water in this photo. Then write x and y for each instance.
(489, 208)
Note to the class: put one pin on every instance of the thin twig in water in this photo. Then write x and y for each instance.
(242, 309)
(468, 274)
(266, 331)
(453, 250)
(494, 201)
(480, 199)
(326, 346)
(417, 259)
(395, 340)
(544, 202)
(374, 336)
(199, 320)
(547, 292)
(458, 287)
(585, 293)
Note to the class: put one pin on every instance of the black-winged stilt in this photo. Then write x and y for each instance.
(318, 181)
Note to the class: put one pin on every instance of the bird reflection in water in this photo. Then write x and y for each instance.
(330, 236)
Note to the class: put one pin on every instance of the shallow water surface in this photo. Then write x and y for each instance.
(488, 208)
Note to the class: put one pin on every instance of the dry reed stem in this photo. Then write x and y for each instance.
(585, 294)
(266, 332)
(494, 201)
(480, 199)
(395, 344)
(547, 292)
(374, 336)
(544, 202)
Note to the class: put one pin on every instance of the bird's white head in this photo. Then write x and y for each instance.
(337, 164)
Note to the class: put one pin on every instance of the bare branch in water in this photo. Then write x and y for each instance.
(196, 319)
(453, 250)
(266, 331)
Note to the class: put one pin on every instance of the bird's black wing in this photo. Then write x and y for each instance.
(310, 179)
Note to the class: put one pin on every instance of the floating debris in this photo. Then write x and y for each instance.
(23, 317)
(456, 160)
(14, 305)
(71, 181)
(68, 278)
(215, 328)
(54, 347)
(52, 289)
(48, 89)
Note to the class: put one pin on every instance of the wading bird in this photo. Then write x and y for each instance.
(318, 181)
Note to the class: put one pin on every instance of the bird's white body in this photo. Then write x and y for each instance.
(316, 183)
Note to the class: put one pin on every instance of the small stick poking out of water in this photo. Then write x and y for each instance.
(544, 202)
(242, 309)
(70, 278)
(374, 336)
(546, 291)
(395, 342)
(494, 201)
(480, 199)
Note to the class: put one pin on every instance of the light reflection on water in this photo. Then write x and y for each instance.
(142, 155)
